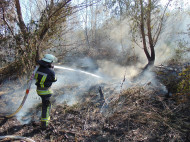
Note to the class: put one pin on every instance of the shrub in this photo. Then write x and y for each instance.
(183, 87)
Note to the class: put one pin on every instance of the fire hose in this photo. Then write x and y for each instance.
(26, 93)
(16, 137)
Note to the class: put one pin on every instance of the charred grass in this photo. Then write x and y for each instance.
(135, 114)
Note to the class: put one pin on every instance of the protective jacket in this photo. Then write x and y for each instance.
(45, 75)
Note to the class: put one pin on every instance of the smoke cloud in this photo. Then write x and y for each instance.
(116, 71)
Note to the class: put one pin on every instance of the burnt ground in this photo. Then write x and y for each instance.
(136, 114)
(139, 113)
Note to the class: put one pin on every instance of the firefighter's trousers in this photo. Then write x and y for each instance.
(46, 108)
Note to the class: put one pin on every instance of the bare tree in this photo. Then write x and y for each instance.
(146, 20)
(152, 39)
(29, 43)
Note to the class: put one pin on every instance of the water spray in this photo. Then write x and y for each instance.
(80, 71)
(30, 83)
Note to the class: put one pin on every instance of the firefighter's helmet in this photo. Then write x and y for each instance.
(49, 58)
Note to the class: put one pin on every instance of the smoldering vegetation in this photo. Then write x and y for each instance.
(131, 110)
(139, 113)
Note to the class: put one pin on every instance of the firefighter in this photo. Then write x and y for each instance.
(45, 76)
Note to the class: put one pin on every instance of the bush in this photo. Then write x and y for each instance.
(183, 87)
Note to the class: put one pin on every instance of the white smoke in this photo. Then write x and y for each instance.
(173, 32)
(29, 107)
(115, 71)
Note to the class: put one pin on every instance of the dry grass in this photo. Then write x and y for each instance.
(142, 115)
(135, 114)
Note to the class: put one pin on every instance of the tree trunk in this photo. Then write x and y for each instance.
(143, 31)
(151, 44)
(150, 56)
(86, 28)
(21, 21)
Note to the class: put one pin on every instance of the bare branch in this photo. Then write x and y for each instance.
(21, 21)
(11, 30)
(57, 10)
(155, 39)
(7, 22)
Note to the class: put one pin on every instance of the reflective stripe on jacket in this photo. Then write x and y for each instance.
(40, 78)
(44, 92)
(45, 119)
